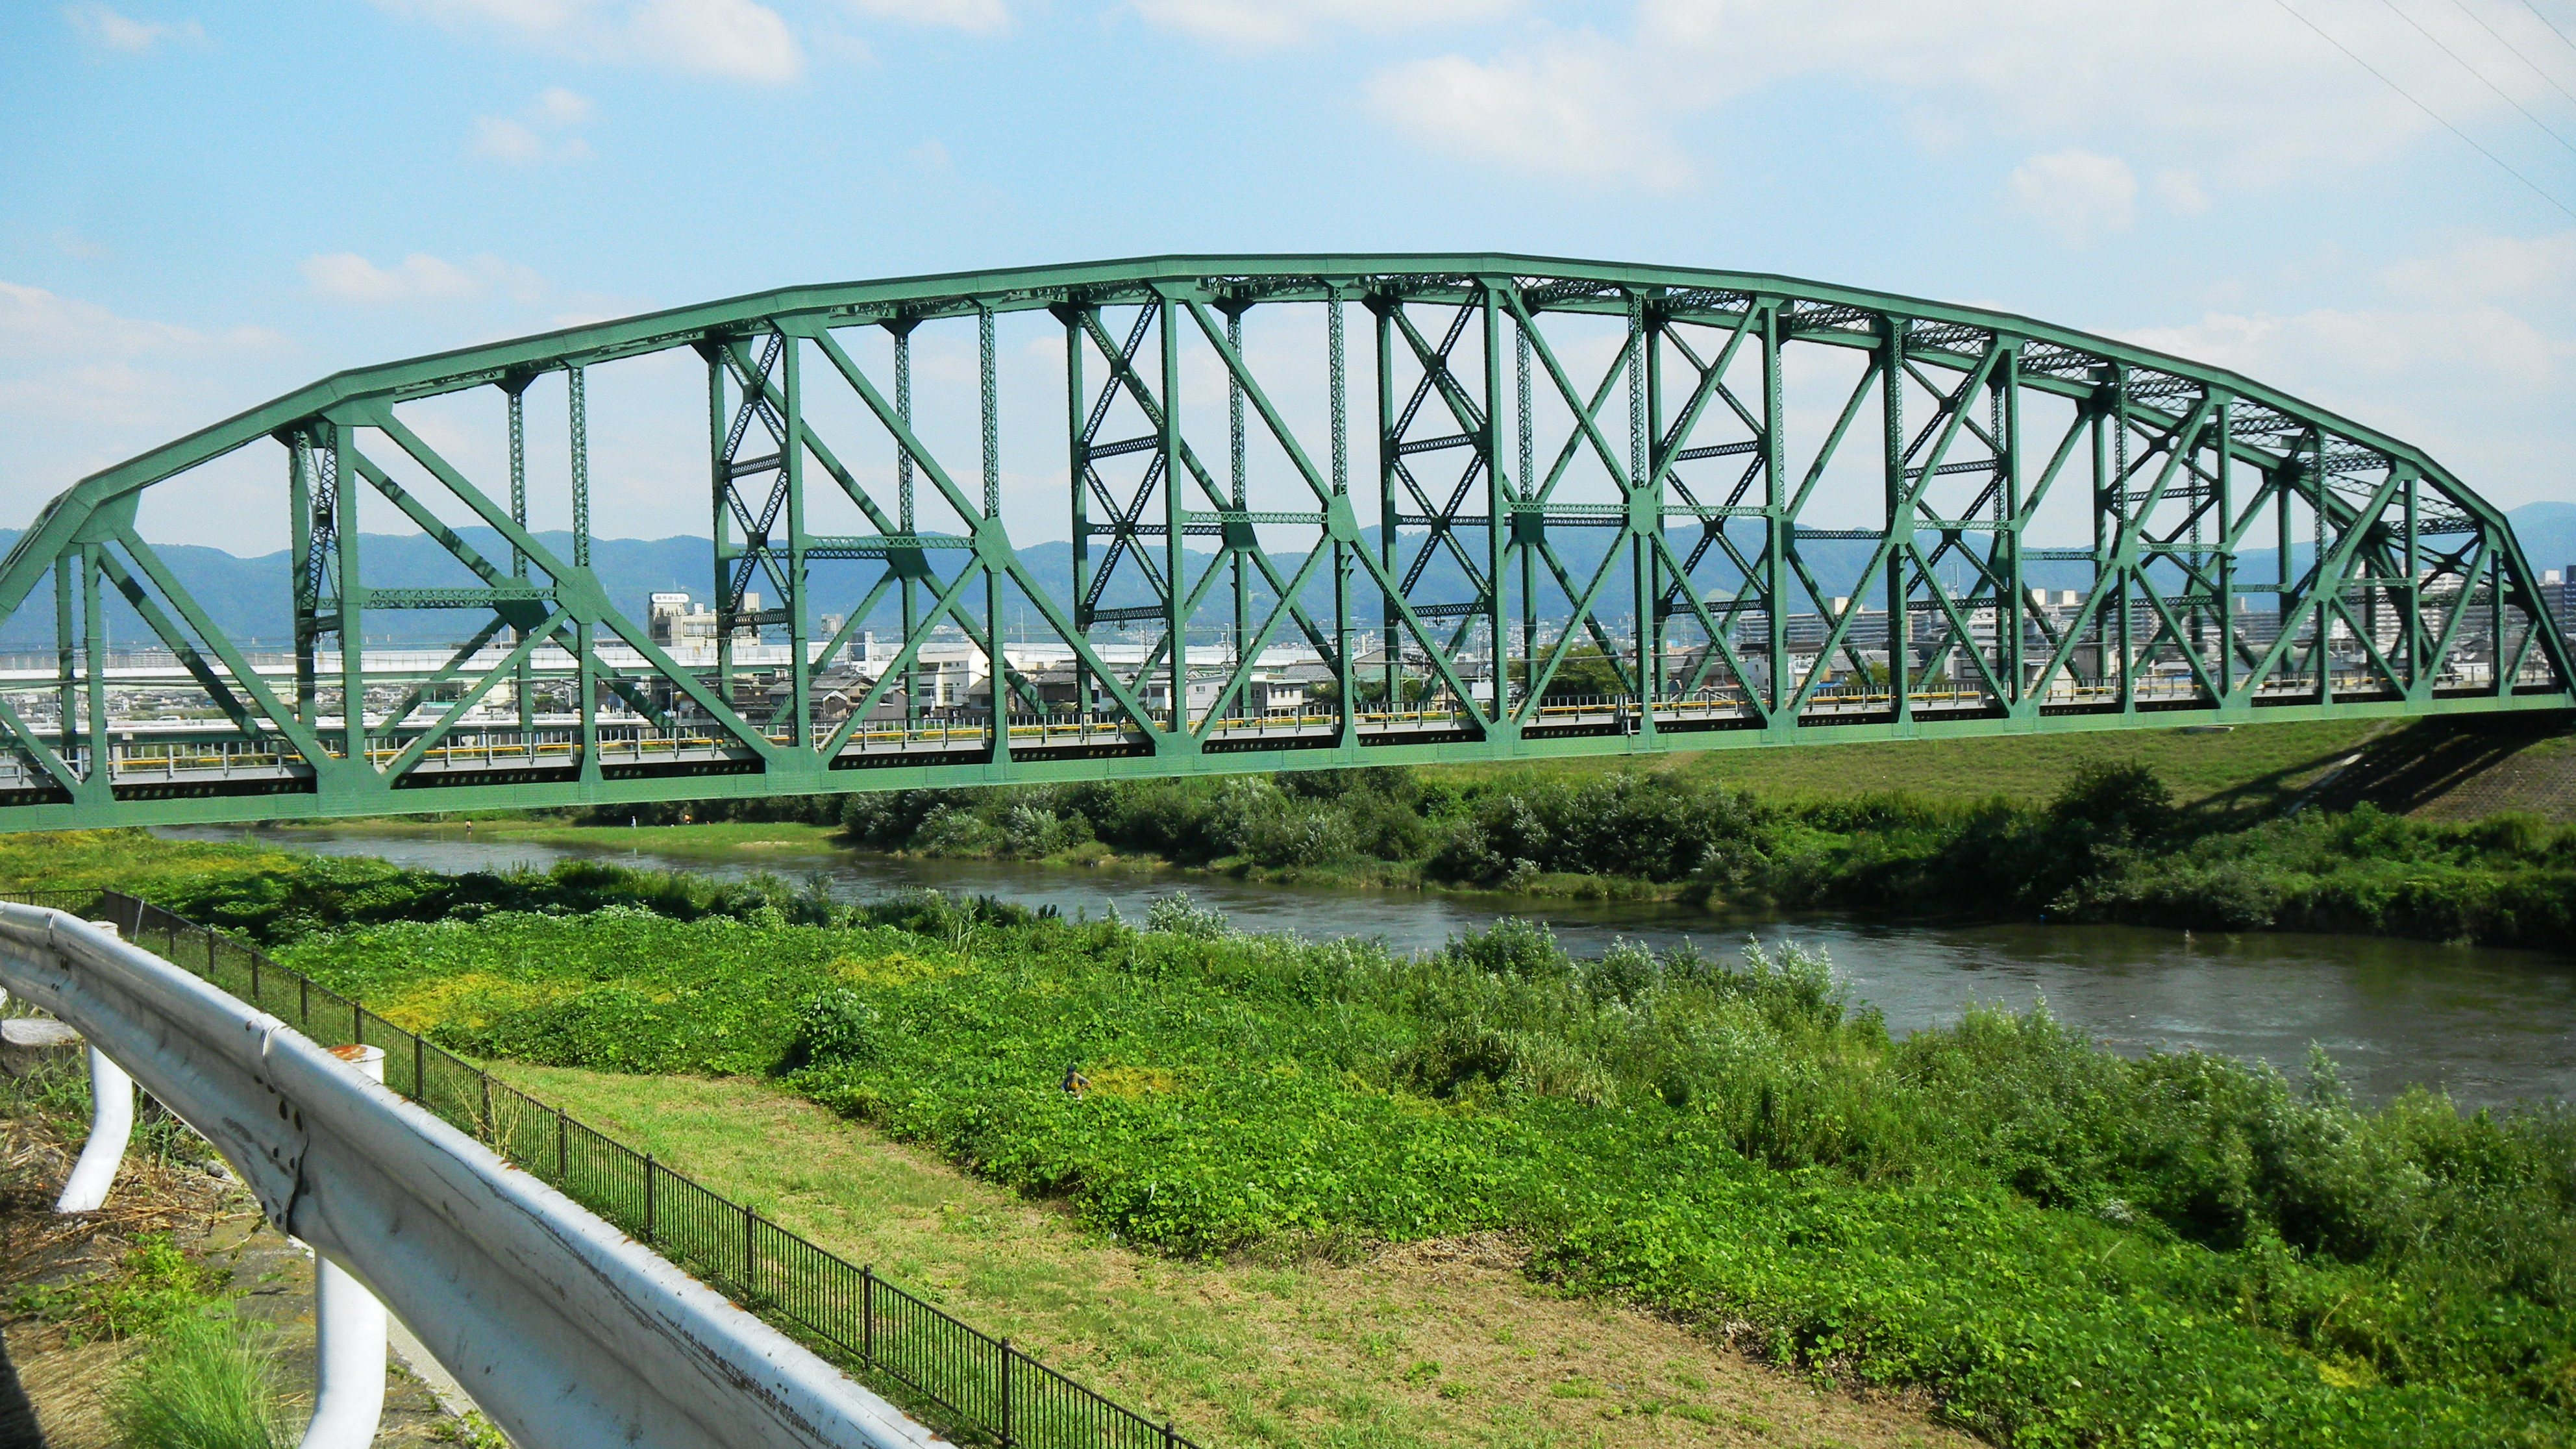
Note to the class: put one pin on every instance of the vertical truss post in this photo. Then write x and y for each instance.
(66, 630)
(2123, 555)
(1337, 383)
(94, 669)
(1778, 527)
(516, 388)
(989, 395)
(906, 518)
(299, 526)
(718, 470)
(2223, 502)
(1644, 460)
(2412, 603)
(2011, 608)
(1078, 473)
(585, 672)
(1175, 563)
(1645, 507)
(2105, 522)
(352, 593)
(2278, 481)
(2325, 589)
(1386, 464)
(1528, 494)
(1500, 495)
(1234, 424)
(800, 674)
(1899, 521)
(2503, 674)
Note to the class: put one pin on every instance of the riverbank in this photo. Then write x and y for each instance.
(2254, 839)
(2274, 827)
(2048, 1241)
(2054, 1244)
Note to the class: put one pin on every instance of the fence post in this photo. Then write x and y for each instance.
(1169, 1438)
(357, 1022)
(1007, 1356)
(648, 1198)
(419, 1071)
(749, 1263)
(868, 1314)
(563, 1150)
(304, 1004)
(254, 968)
(491, 1129)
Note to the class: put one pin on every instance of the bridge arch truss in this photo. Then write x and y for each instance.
(1309, 511)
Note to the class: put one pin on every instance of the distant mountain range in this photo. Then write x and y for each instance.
(249, 597)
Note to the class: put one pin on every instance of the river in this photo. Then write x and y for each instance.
(2488, 1026)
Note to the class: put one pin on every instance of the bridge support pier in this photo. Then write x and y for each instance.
(349, 1334)
(111, 1124)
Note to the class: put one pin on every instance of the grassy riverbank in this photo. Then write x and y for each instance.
(2210, 830)
(2059, 1246)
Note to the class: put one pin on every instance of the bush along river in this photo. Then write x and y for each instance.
(2487, 1025)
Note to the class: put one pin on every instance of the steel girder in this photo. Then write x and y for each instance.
(1525, 535)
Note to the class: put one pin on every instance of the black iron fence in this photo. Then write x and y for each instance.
(979, 1386)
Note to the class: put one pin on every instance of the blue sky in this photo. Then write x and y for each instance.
(207, 204)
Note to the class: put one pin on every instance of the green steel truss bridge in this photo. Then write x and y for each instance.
(1849, 516)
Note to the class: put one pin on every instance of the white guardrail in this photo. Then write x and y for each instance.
(567, 1333)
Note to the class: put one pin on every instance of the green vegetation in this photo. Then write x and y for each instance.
(201, 1383)
(2113, 843)
(2061, 1246)
(154, 1287)
(1316, 1351)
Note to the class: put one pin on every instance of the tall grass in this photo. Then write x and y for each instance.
(202, 1382)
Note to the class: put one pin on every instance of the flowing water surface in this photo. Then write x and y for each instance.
(2488, 1026)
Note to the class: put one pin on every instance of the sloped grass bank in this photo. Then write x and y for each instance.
(2065, 1248)
(1443, 1344)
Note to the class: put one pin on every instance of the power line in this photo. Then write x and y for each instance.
(2444, 122)
(2527, 62)
(2500, 91)
(2552, 24)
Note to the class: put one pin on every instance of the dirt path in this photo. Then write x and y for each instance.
(1443, 1343)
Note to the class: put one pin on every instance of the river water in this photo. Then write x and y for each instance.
(2488, 1026)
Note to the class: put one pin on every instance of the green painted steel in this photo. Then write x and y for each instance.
(1614, 514)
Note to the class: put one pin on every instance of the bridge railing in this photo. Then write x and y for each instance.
(925, 1357)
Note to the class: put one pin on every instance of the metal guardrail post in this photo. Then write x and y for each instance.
(348, 1333)
(111, 1125)
(649, 1167)
(868, 1313)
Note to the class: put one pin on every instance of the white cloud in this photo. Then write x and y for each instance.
(520, 143)
(736, 39)
(2077, 194)
(61, 358)
(731, 39)
(2468, 352)
(1561, 110)
(563, 107)
(419, 277)
(2239, 93)
(1284, 22)
(102, 26)
(975, 17)
(506, 140)
(2182, 191)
